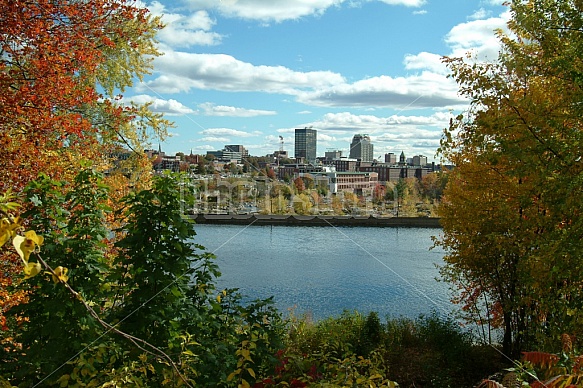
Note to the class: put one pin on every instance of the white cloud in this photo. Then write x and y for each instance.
(407, 3)
(347, 121)
(185, 30)
(480, 14)
(425, 90)
(281, 10)
(204, 147)
(425, 61)
(324, 137)
(168, 107)
(210, 109)
(477, 36)
(227, 132)
(267, 11)
(183, 71)
(215, 139)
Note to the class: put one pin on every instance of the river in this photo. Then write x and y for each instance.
(323, 271)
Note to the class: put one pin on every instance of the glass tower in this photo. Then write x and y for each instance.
(361, 148)
(305, 144)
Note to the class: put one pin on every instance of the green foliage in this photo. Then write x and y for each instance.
(155, 284)
(57, 325)
(435, 352)
(429, 351)
(152, 270)
(323, 354)
(7, 202)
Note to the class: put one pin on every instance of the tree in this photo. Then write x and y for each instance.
(62, 67)
(432, 185)
(299, 185)
(409, 196)
(378, 193)
(337, 205)
(349, 201)
(308, 181)
(512, 209)
(302, 204)
(269, 172)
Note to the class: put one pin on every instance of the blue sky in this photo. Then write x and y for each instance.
(248, 71)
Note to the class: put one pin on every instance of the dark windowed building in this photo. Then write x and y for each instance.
(306, 143)
(361, 148)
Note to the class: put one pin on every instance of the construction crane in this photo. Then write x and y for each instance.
(280, 149)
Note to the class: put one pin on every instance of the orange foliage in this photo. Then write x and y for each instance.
(50, 55)
(541, 359)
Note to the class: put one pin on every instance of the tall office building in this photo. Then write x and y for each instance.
(391, 158)
(306, 143)
(361, 148)
(419, 160)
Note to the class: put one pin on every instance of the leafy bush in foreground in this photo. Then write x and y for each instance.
(138, 305)
(426, 352)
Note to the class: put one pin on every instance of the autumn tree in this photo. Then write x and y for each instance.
(269, 172)
(431, 186)
(337, 205)
(512, 208)
(378, 193)
(302, 204)
(350, 201)
(63, 66)
(299, 185)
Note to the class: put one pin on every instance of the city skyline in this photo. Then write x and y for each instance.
(248, 72)
(302, 146)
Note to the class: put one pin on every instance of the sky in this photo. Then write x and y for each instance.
(249, 71)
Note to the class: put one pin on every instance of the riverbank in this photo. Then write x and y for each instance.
(297, 220)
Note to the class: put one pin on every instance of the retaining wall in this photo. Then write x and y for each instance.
(296, 220)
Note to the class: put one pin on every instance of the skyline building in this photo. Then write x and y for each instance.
(391, 158)
(419, 160)
(331, 155)
(361, 148)
(402, 159)
(237, 148)
(306, 144)
(232, 152)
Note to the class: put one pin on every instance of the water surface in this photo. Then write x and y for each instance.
(326, 270)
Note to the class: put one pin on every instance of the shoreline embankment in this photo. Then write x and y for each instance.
(297, 220)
